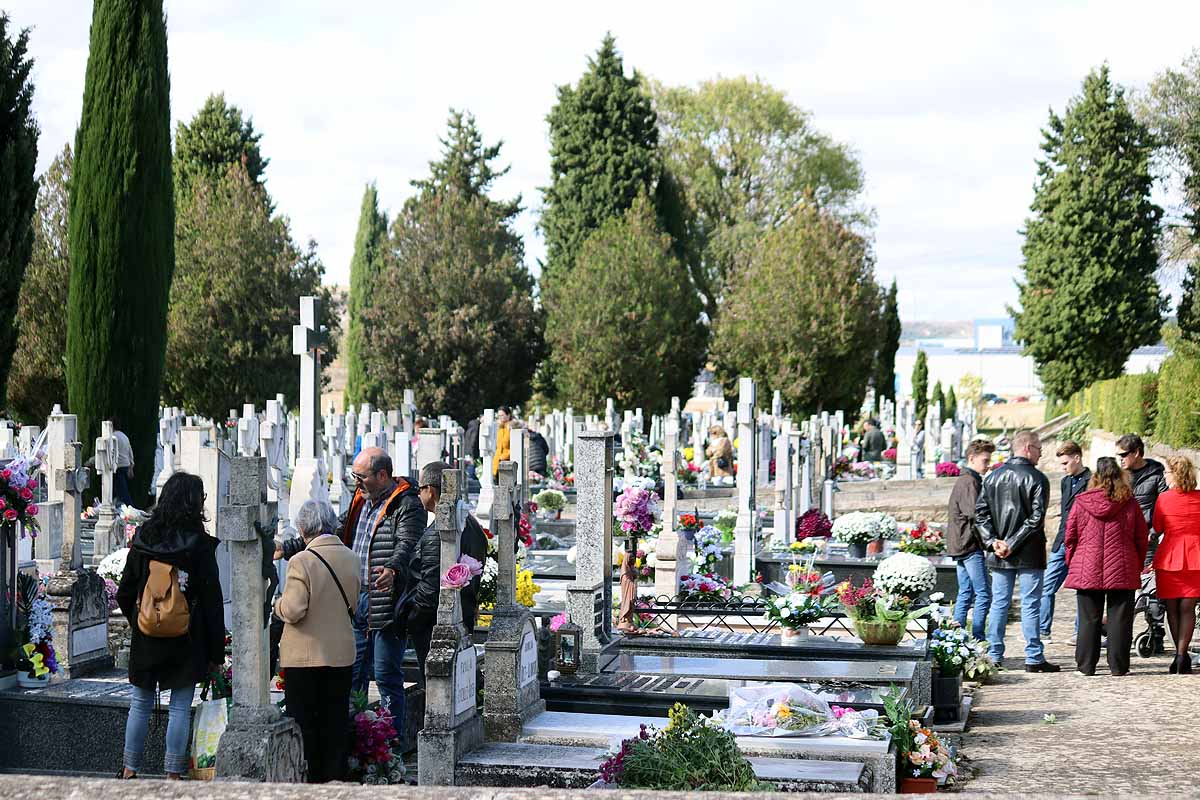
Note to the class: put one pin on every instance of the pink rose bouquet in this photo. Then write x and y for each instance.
(458, 576)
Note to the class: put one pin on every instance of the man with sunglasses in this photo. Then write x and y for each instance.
(382, 526)
(1149, 480)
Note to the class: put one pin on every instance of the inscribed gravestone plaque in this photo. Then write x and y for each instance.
(464, 680)
(529, 660)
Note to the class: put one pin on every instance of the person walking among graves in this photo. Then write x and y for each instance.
(964, 545)
(171, 594)
(1011, 517)
(316, 652)
(1070, 458)
(1149, 480)
(1105, 545)
(382, 525)
(873, 442)
(918, 449)
(503, 438)
(1177, 561)
(720, 454)
(418, 612)
(470, 447)
(539, 451)
(121, 491)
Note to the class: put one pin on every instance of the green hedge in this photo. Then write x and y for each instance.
(1127, 404)
(1178, 422)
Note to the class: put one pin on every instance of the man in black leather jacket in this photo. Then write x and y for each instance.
(1011, 517)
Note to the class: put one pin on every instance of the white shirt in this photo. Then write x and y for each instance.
(124, 450)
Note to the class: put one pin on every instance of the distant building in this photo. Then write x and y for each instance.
(994, 356)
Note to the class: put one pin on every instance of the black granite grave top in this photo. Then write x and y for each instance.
(725, 644)
(763, 670)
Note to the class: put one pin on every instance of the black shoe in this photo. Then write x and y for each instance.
(1045, 666)
(1185, 665)
(1174, 668)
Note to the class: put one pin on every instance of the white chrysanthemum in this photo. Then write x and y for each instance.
(905, 573)
(857, 527)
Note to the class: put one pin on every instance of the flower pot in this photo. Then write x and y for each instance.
(918, 785)
(558, 514)
(792, 634)
(875, 547)
(856, 550)
(946, 698)
(886, 633)
(26, 682)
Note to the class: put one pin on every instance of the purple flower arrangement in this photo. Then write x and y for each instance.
(636, 510)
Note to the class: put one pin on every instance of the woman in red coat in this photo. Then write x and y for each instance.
(1177, 560)
(1106, 545)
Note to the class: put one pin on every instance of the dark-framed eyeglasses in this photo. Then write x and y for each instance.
(1123, 455)
(359, 478)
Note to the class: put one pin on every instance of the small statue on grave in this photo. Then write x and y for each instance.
(637, 509)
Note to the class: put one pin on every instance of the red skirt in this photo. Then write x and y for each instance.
(1171, 584)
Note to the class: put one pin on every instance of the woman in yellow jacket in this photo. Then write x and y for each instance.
(503, 450)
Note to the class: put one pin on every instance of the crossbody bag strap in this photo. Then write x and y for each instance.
(332, 574)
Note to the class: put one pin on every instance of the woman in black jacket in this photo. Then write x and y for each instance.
(173, 535)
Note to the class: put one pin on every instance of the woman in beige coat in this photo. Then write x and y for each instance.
(316, 653)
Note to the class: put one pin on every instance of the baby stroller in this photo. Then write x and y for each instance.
(1150, 641)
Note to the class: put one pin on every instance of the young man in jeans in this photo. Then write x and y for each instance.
(1011, 517)
(1070, 457)
(963, 543)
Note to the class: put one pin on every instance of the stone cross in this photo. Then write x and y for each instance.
(589, 598)
(248, 442)
(519, 452)
(698, 434)
(785, 516)
(8, 440)
(672, 549)
(947, 441)
(483, 470)
(71, 480)
(627, 446)
(408, 410)
(610, 414)
(801, 480)
(764, 451)
(511, 654)
(307, 342)
(452, 723)
(747, 517)
(335, 449)
(109, 536)
(259, 743)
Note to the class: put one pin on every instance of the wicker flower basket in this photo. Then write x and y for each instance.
(886, 633)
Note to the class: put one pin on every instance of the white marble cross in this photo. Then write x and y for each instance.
(307, 341)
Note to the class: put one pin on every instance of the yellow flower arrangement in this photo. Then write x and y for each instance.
(526, 588)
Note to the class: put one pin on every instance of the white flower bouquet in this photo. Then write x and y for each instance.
(113, 565)
(887, 525)
(905, 574)
(857, 527)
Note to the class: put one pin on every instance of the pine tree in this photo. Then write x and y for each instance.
(217, 137)
(1089, 294)
(950, 410)
(370, 245)
(937, 397)
(920, 384)
(39, 376)
(18, 189)
(624, 322)
(603, 154)
(122, 221)
(889, 344)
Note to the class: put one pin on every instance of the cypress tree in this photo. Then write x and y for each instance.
(1188, 313)
(370, 245)
(18, 189)
(1089, 294)
(122, 222)
(920, 384)
(889, 344)
(938, 397)
(603, 154)
(951, 408)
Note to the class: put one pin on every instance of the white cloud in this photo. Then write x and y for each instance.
(943, 102)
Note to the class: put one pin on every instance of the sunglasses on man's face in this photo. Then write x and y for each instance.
(1123, 455)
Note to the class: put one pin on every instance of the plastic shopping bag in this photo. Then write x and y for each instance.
(786, 709)
(207, 727)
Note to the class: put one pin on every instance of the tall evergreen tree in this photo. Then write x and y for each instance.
(452, 315)
(122, 222)
(889, 344)
(217, 137)
(1188, 313)
(603, 154)
(937, 397)
(370, 247)
(920, 384)
(1089, 294)
(950, 410)
(18, 189)
(39, 374)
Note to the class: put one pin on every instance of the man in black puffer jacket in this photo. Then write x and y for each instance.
(382, 526)
(419, 614)
(1149, 481)
(1010, 516)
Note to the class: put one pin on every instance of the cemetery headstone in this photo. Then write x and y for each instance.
(109, 536)
(672, 549)
(429, 446)
(747, 511)
(785, 517)
(308, 476)
(483, 471)
(589, 598)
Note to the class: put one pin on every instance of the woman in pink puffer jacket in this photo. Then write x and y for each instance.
(1106, 545)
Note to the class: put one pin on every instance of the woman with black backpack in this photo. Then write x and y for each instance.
(171, 596)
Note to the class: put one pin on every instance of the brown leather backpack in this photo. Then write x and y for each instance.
(163, 610)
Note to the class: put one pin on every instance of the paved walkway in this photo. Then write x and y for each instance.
(1136, 734)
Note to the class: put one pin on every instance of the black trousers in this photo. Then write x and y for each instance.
(420, 634)
(1091, 604)
(318, 698)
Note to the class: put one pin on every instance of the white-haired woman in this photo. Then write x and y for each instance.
(316, 653)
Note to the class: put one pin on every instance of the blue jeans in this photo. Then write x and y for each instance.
(381, 654)
(973, 585)
(1056, 576)
(1003, 581)
(179, 729)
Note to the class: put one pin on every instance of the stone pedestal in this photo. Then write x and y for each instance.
(671, 552)
(785, 517)
(589, 598)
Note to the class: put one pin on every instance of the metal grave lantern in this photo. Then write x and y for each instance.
(568, 648)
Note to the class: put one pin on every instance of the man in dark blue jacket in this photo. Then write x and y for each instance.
(1070, 457)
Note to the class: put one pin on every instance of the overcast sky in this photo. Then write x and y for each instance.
(942, 102)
